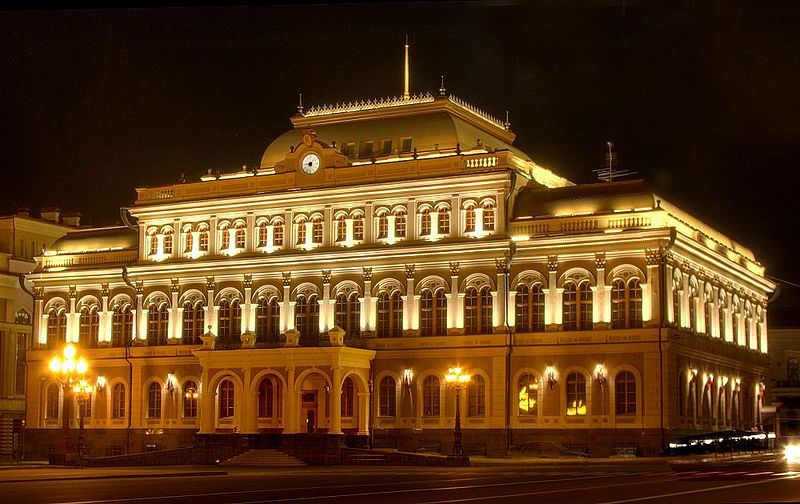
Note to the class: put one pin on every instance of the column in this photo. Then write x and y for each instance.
(39, 317)
(248, 313)
(213, 246)
(178, 238)
(456, 229)
(336, 401)
(248, 415)
(139, 317)
(326, 311)
(368, 303)
(369, 226)
(175, 315)
(552, 296)
(455, 319)
(500, 215)
(601, 311)
(668, 293)
(205, 408)
(651, 289)
(328, 238)
(701, 306)
(363, 413)
(210, 308)
(410, 302)
(762, 344)
(73, 318)
(686, 298)
(287, 307)
(250, 241)
(289, 237)
(411, 220)
(500, 297)
(290, 404)
(104, 318)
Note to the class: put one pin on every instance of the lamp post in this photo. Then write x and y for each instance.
(457, 379)
(68, 370)
(83, 392)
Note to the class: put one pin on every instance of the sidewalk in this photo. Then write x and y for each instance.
(688, 459)
(23, 472)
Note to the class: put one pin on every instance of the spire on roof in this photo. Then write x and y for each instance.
(442, 90)
(300, 104)
(507, 123)
(406, 94)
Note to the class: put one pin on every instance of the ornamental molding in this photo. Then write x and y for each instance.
(411, 269)
(367, 273)
(600, 260)
(287, 279)
(175, 286)
(454, 269)
(104, 290)
(248, 281)
(211, 284)
(326, 276)
(501, 264)
(552, 264)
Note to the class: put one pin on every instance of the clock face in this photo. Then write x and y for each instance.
(310, 163)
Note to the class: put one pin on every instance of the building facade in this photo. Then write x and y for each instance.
(22, 237)
(378, 244)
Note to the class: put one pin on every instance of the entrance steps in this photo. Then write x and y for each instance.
(263, 458)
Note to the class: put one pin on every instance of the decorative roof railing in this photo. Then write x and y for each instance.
(356, 106)
(476, 111)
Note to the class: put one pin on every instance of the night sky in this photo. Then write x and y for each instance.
(701, 100)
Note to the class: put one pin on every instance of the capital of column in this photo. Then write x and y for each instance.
(410, 271)
(552, 263)
(326, 276)
(175, 286)
(454, 269)
(287, 279)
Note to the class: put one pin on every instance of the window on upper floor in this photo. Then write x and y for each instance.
(383, 226)
(121, 325)
(268, 319)
(341, 228)
(316, 230)
(366, 149)
(433, 313)
(405, 144)
(56, 327)
(203, 238)
(193, 322)
(386, 147)
(488, 216)
(229, 327)
(358, 227)
(349, 149)
(626, 304)
(444, 221)
(277, 234)
(577, 306)
(469, 219)
(530, 308)
(400, 224)
(89, 327)
(307, 319)
(390, 315)
(348, 313)
(478, 310)
(425, 222)
(263, 235)
(157, 324)
(167, 241)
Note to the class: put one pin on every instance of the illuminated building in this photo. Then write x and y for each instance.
(21, 238)
(378, 244)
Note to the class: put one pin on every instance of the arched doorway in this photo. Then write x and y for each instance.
(314, 402)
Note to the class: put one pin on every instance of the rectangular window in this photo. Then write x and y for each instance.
(405, 144)
(277, 235)
(349, 149)
(366, 149)
(386, 147)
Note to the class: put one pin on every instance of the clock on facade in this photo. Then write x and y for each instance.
(310, 163)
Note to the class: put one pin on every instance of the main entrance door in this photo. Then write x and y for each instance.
(310, 411)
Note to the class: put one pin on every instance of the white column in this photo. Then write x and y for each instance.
(175, 320)
(40, 318)
(499, 297)
(213, 245)
(104, 319)
(552, 295)
(668, 293)
(363, 413)
(686, 298)
(410, 301)
(326, 312)
(248, 313)
(455, 319)
(336, 402)
(287, 307)
(251, 237)
(368, 303)
(701, 308)
(601, 311)
(210, 309)
(291, 405)
(140, 317)
(73, 318)
(651, 308)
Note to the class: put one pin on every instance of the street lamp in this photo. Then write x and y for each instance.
(457, 379)
(83, 392)
(68, 370)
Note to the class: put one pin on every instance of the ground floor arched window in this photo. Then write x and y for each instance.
(226, 399)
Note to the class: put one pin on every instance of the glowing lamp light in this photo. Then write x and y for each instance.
(550, 372)
(408, 376)
(82, 366)
(792, 453)
(70, 351)
(55, 364)
(600, 374)
(101, 382)
(456, 376)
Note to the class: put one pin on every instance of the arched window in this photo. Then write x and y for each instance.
(153, 240)
(476, 397)
(348, 313)
(56, 328)
(469, 219)
(676, 297)
(240, 235)
(230, 321)
(188, 241)
(693, 299)
(316, 230)
(168, 241)
(266, 398)
(89, 327)
(576, 394)
(190, 399)
(626, 304)
(51, 401)
(433, 313)
(263, 235)
(723, 320)
(268, 320)
(307, 320)
(225, 238)
(793, 370)
(84, 407)
(707, 311)
(226, 399)
(488, 216)
(625, 393)
(341, 229)
(390, 315)
(528, 387)
(478, 310)
(277, 234)
(383, 225)
(425, 222)
(358, 227)
(444, 221)
(387, 406)
(301, 232)
(348, 396)
(430, 397)
(118, 402)
(157, 324)
(530, 308)
(203, 238)
(400, 224)
(154, 400)
(577, 307)
(121, 326)
(193, 321)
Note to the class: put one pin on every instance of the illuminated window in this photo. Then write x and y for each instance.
(444, 221)
(266, 398)
(263, 235)
(225, 239)
(118, 403)
(348, 313)
(577, 307)
(168, 241)
(425, 223)
(121, 326)
(433, 313)
(203, 235)
(478, 310)
(488, 217)
(348, 397)
(476, 397)
(277, 234)
(189, 399)
(358, 228)
(390, 315)
(240, 235)
(383, 226)
(387, 406)
(268, 319)
(157, 324)
(226, 399)
(230, 321)
(193, 322)
(430, 397)
(56, 328)
(625, 393)
(307, 320)
(52, 401)
(316, 230)
(153, 239)
(154, 400)
(405, 144)
(530, 308)
(528, 387)
(89, 327)
(301, 232)
(626, 304)
(576, 394)
(341, 229)
(469, 220)
(189, 241)
(400, 224)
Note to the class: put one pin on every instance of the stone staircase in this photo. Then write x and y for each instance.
(263, 458)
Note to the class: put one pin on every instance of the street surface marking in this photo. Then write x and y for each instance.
(689, 492)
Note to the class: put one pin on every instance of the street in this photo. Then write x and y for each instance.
(765, 478)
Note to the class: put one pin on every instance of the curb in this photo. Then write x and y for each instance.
(117, 476)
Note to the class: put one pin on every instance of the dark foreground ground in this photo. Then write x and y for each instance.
(760, 479)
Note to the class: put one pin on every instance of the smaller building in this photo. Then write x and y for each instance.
(22, 238)
(784, 351)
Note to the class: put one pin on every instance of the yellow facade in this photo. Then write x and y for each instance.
(378, 244)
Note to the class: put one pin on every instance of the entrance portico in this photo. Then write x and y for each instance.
(285, 390)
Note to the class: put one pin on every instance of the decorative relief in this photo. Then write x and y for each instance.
(248, 281)
(367, 272)
(38, 293)
(600, 260)
(326, 276)
(552, 263)
(501, 265)
(210, 283)
(73, 292)
(411, 269)
(104, 290)
(287, 279)
(454, 269)
(140, 288)
(652, 257)
(176, 286)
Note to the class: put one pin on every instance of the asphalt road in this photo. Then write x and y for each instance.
(756, 480)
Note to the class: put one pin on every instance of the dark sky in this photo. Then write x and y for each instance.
(701, 98)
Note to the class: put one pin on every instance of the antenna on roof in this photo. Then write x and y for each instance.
(406, 94)
(611, 170)
(300, 104)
